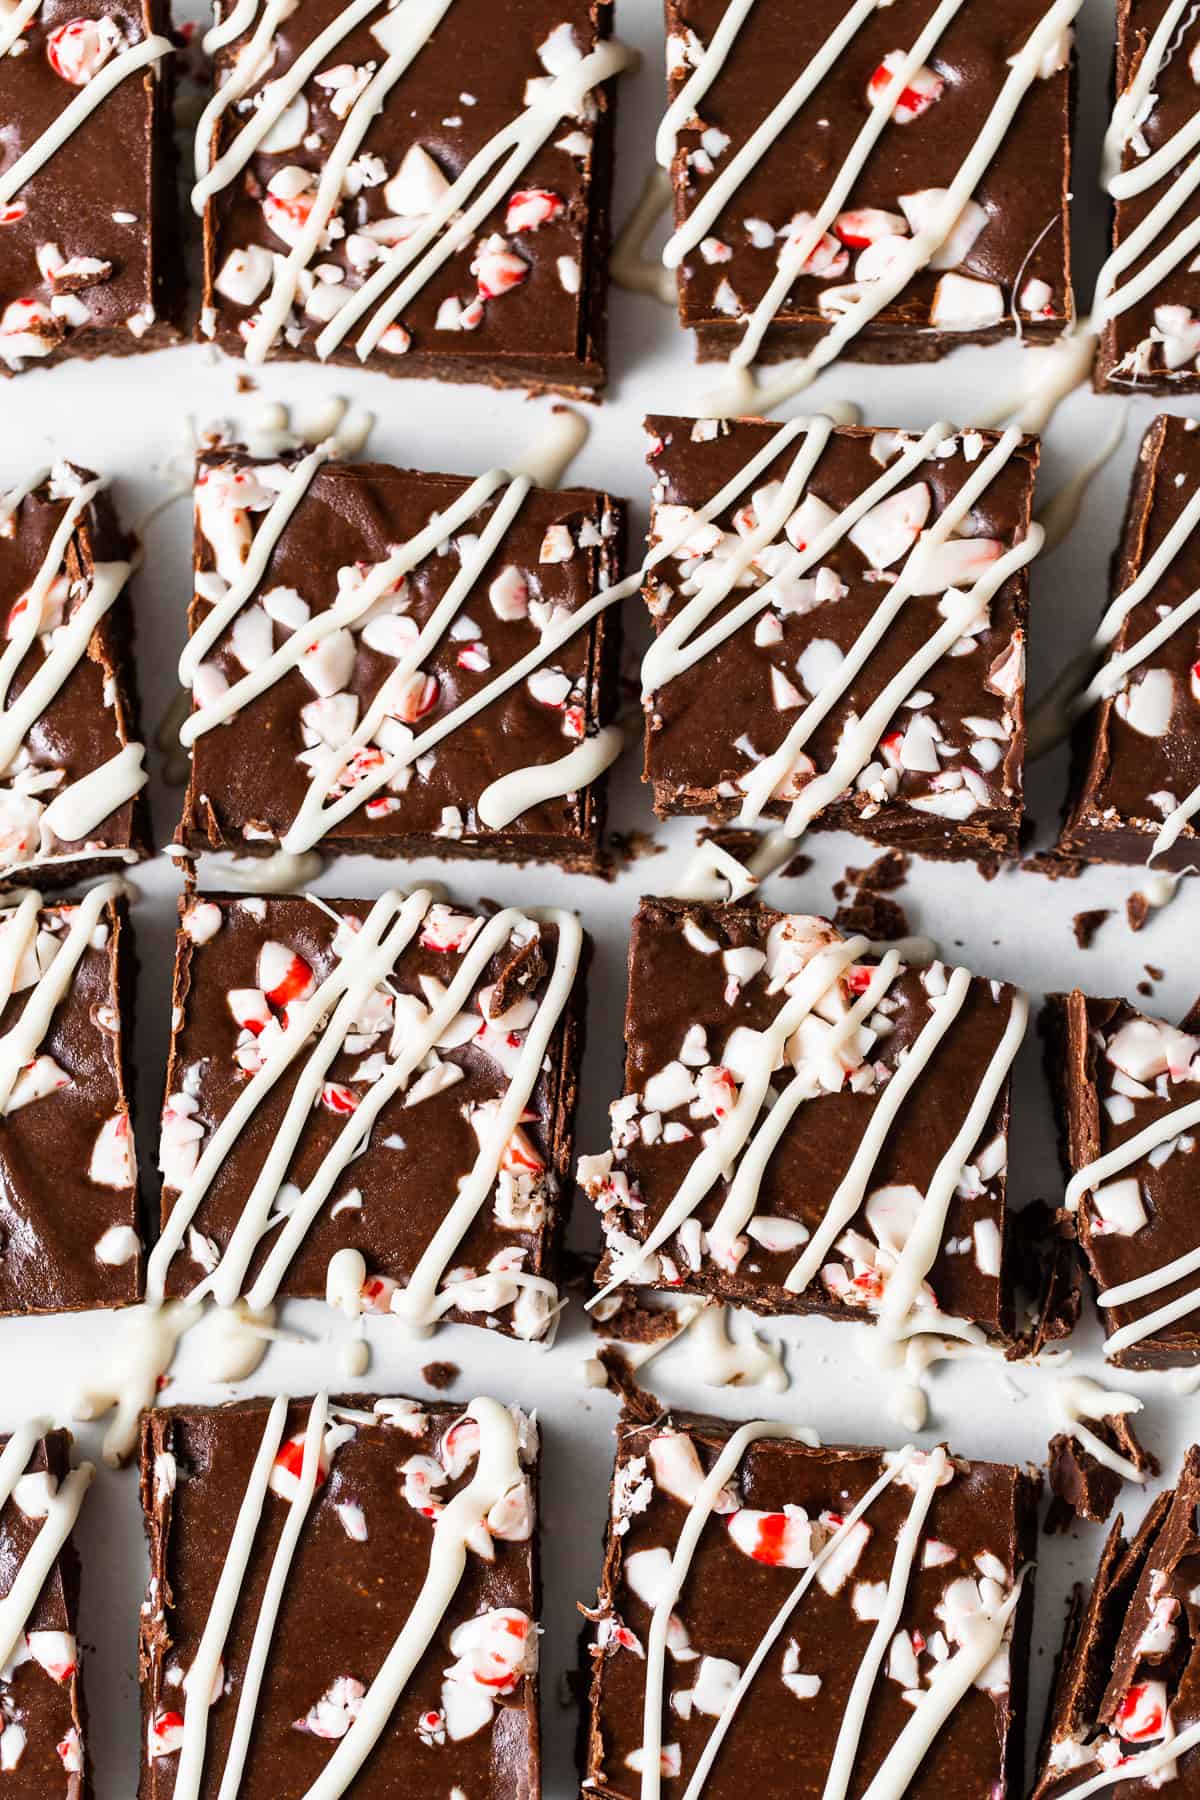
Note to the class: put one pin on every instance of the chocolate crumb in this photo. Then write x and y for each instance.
(1085, 925)
(440, 1375)
(246, 384)
(1137, 910)
(887, 872)
(1152, 972)
(1081, 1485)
(631, 846)
(1053, 865)
(1146, 989)
(874, 915)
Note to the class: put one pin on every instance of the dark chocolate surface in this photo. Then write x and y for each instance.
(780, 1743)
(343, 1605)
(54, 1213)
(676, 988)
(248, 782)
(1125, 779)
(46, 1752)
(467, 84)
(696, 761)
(107, 195)
(1023, 191)
(408, 1175)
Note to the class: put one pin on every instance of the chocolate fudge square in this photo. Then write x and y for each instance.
(256, 1021)
(71, 791)
(318, 725)
(90, 261)
(944, 1563)
(1151, 346)
(514, 292)
(43, 1723)
(945, 776)
(1125, 1084)
(1126, 1669)
(1136, 751)
(703, 981)
(69, 1230)
(387, 1481)
(1007, 259)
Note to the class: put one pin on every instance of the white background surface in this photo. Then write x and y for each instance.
(129, 420)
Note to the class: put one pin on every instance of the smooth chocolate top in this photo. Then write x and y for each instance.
(1120, 1072)
(973, 698)
(41, 1694)
(91, 718)
(69, 1223)
(1023, 191)
(1133, 351)
(468, 83)
(407, 1178)
(92, 210)
(250, 776)
(687, 1002)
(1138, 754)
(360, 1561)
(748, 1559)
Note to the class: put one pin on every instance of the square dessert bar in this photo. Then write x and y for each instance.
(943, 774)
(371, 1123)
(289, 728)
(90, 261)
(1005, 265)
(350, 1538)
(1136, 747)
(69, 1237)
(1123, 1681)
(1151, 345)
(812, 1214)
(416, 202)
(71, 774)
(43, 1737)
(909, 1561)
(1128, 1089)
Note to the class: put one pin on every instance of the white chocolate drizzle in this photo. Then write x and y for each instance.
(1139, 1767)
(20, 1043)
(128, 1385)
(1074, 1398)
(62, 1509)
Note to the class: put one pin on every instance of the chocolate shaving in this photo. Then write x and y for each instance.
(440, 1375)
(1137, 910)
(874, 915)
(1085, 925)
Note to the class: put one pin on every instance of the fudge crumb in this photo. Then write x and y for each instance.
(440, 1375)
(246, 384)
(1081, 1486)
(887, 872)
(1085, 925)
(877, 917)
(1152, 972)
(1146, 989)
(631, 846)
(1137, 910)
(1052, 864)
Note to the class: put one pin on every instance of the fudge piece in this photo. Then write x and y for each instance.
(432, 1107)
(371, 224)
(1127, 1089)
(72, 780)
(90, 256)
(1151, 346)
(69, 1237)
(351, 1538)
(1126, 1674)
(873, 1185)
(943, 773)
(1096, 1451)
(319, 741)
(1136, 748)
(43, 1734)
(931, 1558)
(1003, 267)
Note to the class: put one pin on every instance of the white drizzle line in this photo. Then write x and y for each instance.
(77, 809)
(720, 192)
(770, 1637)
(278, 98)
(507, 798)
(983, 1634)
(727, 1141)
(16, 1454)
(628, 266)
(1139, 1767)
(1074, 1398)
(15, 22)
(845, 1751)
(62, 1510)
(525, 135)
(681, 1561)
(24, 628)
(1059, 516)
(415, 20)
(687, 102)
(19, 1044)
(1123, 123)
(1174, 823)
(64, 127)
(497, 1470)
(239, 18)
(203, 1672)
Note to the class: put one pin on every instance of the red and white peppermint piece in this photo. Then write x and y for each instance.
(843, 1559)
(827, 259)
(249, 1008)
(520, 1156)
(445, 930)
(1142, 1714)
(459, 1447)
(54, 1651)
(165, 1734)
(419, 697)
(509, 594)
(495, 1650)
(511, 1518)
(864, 224)
(530, 208)
(960, 303)
(1037, 299)
(80, 48)
(179, 1142)
(916, 96)
(334, 1713)
(336, 1097)
(37, 1080)
(418, 185)
(111, 1163)
(13, 212)
(287, 215)
(891, 528)
(475, 656)
(283, 975)
(779, 1539)
(497, 272)
(377, 1291)
(70, 1752)
(201, 921)
(289, 1461)
(12, 1746)
(955, 563)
